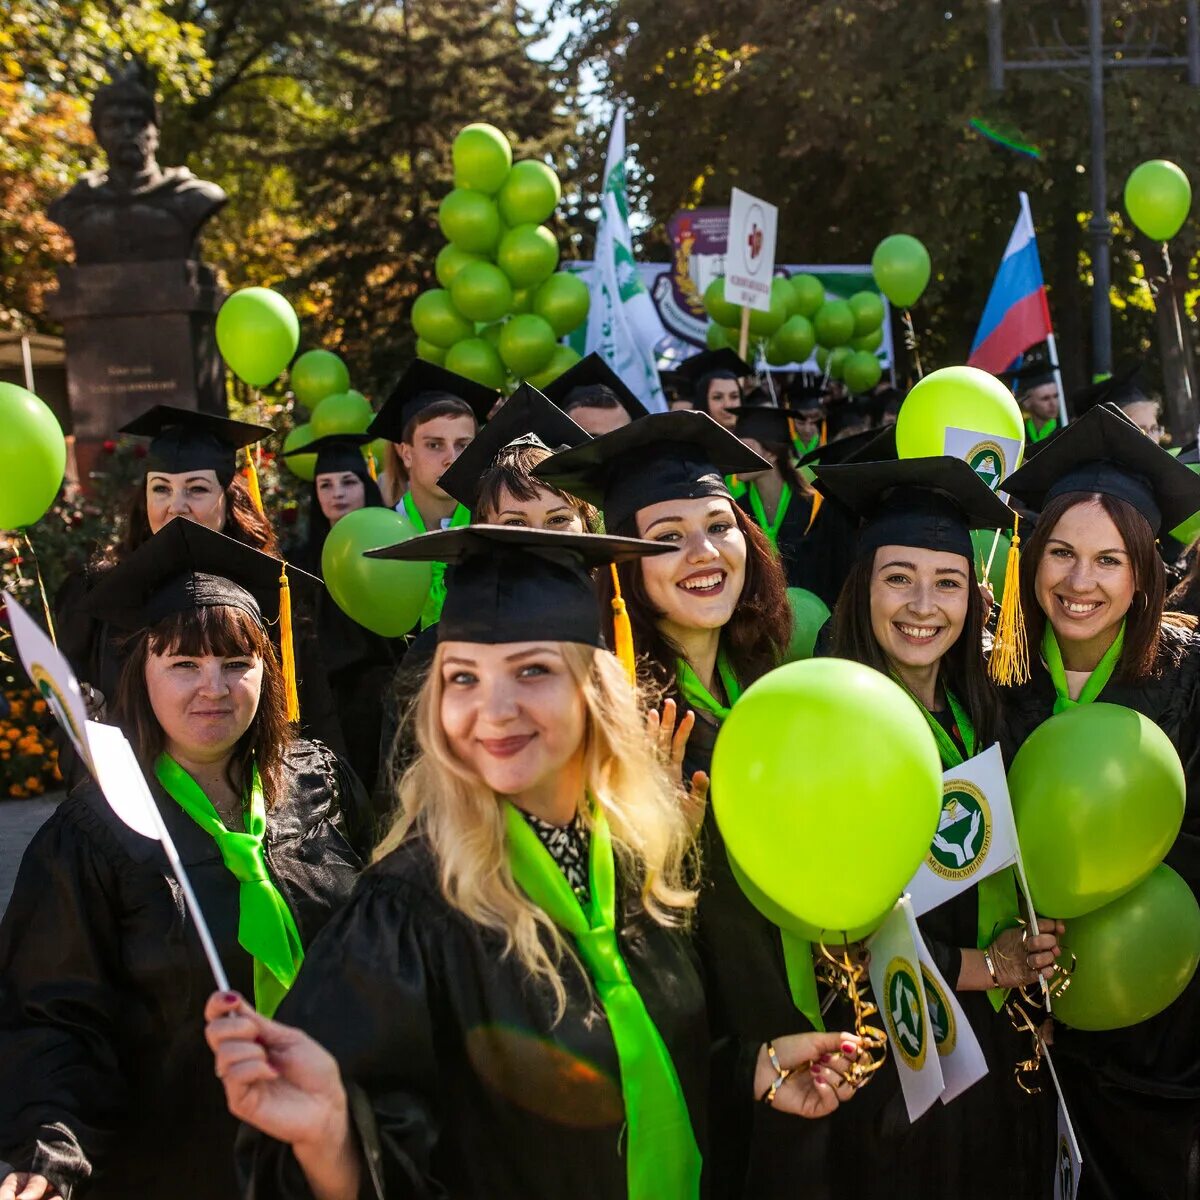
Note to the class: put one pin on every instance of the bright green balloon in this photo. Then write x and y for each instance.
(482, 158)
(385, 595)
(529, 194)
(481, 292)
(431, 353)
(344, 412)
(981, 540)
(775, 352)
(1097, 793)
(476, 358)
(957, 398)
(303, 466)
(1189, 531)
(437, 321)
(1157, 198)
(834, 323)
(868, 312)
(796, 338)
(808, 294)
(861, 371)
(715, 337)
(491, 333)
(771, 816)
(868, 341)
(717, 307)
(317, 374)
(562, 301)
(765, 323)
(1134, 956)
(257, 334)
(526, 344)
(469, 219)
(833, 360)
(33, 457)
(901, 268)
(523, 300)
(563, 359)
(809, 614)
(450, 260)
(528, 254)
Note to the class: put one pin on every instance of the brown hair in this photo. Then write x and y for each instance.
(963, 670)
(393, 481)
(218, 630)
(1140, 653)
(512, 471)
(755, 638)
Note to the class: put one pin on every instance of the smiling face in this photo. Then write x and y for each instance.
(919, 603)
(515, 716)
(1085, 580)
(546, 510)
(339, 493)
(699, 587)
(722, 396)
(196, 495)
(435, 446)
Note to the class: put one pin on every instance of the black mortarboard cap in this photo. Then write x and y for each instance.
(593, 371)
(1125, 387)
(1105, 452)
(511, 584)
(336, 452)
(1034, 371)
(665, 456)
(765, 423)
(423, 384)
(930, 503)
(527, 413)
(712, 362)
(182, 439)
(851, 448)
(805, 394)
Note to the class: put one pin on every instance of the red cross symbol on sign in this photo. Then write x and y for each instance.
(755, 241)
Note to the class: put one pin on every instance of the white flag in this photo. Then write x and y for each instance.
(1068, 1159)
(963, 1063)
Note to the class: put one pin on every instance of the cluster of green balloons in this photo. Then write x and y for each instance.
(33, 457)
(1098, 796)
(501, 306)
(320, 381)
(258, 332)
(1158, 197)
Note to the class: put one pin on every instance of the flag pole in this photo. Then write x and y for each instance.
(1051, 341)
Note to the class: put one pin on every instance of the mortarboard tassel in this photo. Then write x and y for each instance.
(816, 508)
(372, 466)
(622, 629)
(252, 483)
(1010, 652)
(287, 646)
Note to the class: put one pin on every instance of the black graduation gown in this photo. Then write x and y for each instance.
(462, 1085)
(106, 1082)
(790, 540)
(1134, 1094)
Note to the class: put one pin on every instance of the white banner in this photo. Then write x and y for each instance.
(991, 457)
(963, 1063)
(750, 251)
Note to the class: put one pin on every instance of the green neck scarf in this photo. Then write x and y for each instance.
(1097, 681)
(266, 929)
(664, 1161)
(802, 449)
(770, 528)
(736, 486)
(1039, 435)
(698, 696)
(432, 611)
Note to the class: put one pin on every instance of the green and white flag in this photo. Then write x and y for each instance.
(1068, 1160)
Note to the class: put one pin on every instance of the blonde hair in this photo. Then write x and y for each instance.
(462, 818)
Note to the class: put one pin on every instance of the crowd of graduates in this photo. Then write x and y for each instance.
(482, 934)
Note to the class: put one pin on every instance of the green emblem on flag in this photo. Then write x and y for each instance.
(902, 1012)
(629, 282)
(941, 1014)
(987, 461)
(1066, 1170)
(964, 832)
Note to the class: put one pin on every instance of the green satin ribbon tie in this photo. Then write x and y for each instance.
(1097, 681)
(266, 929)
(770, 528)
(698, 696)
(432, 612)
(664, 1162)
(1040, 435)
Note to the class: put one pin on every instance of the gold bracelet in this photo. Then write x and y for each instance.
(987, 962)
(782, 1075)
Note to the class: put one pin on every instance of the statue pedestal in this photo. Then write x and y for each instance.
(138, 334)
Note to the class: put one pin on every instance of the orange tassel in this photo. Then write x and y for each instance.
(287, 646)
(622, 629)
(1009, 663)
(252, 484)
(816, 508)
(372, 466)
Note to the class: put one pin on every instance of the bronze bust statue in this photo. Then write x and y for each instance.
(135, 211)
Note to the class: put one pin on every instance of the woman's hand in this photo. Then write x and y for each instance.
(96, 705)
(1021, 956)
(670, 737)
(21, 1185)
(819, 1063)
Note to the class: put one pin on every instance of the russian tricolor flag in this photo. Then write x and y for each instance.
(1016, 315)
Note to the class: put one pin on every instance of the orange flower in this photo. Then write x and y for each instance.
(39, 706)
(5, 744)
(32, 781)
(16, 790)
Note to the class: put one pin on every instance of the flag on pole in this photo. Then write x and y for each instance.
(623, 325)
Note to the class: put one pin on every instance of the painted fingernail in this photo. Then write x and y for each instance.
(231, 997)
(849, 1048)
(824, 1058)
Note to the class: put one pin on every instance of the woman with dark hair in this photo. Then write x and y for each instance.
(715, 377)
(105, 1084)
(1092, 587)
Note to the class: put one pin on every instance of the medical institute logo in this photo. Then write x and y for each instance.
(902, 1012)
(941, 1014)
(964, 832)
(987, 461)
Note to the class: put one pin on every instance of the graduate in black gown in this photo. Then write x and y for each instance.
(595, 397)
(715, 377)
(509, 1005)
(106, 1085)
(1092, 586)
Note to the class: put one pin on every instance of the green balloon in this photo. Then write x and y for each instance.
(868, 312)
(1157, 198)
(901, 268)
(450, 260)
(796, 338)
(33, 457)
(481, 292)
(344, 412)
(1133, 957)
(431, 353)
(491, 333)
(809, 614)
(469, 219)
(775, 353)
(437, 321)
(1097, 793)
(771, 816)
(982, 540)
(303, 466)
(257, 334)
(530, 194)
(861, 371)
(482, 158)
(476, 358)
(716, 337)
(808, 294)
(563, 302)
(765, 323)
(717, 307)
(523, 300)
(1189, 531)
(868, 341)
(384, 595)
(957, 398)
(563, 359)
(526, 344)
(380, 451)
(317, 374)
(834, 323)
(528, 254)
(833, 360)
